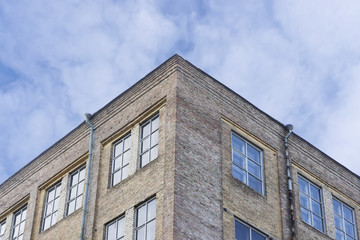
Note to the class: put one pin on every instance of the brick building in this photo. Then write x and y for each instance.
(180, 156)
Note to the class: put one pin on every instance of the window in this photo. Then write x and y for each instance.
(149, 138)
(311, 204)
(17, 229)
(120, 162)
(247, 163)
(244, 232)
(76, 189)
(115, 229)
(344, 221)
(51, 206)
(2, 229)
(145, 221)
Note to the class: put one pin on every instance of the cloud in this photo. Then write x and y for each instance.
(296, 61)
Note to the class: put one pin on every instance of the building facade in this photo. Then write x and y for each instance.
(181, 156)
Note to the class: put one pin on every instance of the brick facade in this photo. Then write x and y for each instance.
(197, 196)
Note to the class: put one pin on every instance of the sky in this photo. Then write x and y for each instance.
(298, 61)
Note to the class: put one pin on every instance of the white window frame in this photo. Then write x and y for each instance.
(310, 199)
(77, 195)
(247, 159)
(56, 188)
(151, 145)
(344, 220)
(2, 229)
(121, 155)
(116, 221)
(251, 229)
(18, 226)
(147, 221)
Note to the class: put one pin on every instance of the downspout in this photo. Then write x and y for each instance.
(290, 128)
(88, 116)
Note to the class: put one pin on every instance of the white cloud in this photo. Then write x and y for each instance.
(297, 61)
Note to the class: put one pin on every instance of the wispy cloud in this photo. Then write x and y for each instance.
(299, 62)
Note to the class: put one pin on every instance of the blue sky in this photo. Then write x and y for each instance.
(298, 61)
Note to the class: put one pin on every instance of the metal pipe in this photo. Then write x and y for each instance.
(290, 128)
(87, 120)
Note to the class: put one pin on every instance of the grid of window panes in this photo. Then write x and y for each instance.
(115, 229)
(17, 229)
(244, 232)
(149, 139)
(76, 190)
(51, 206)
(247, 163)
(311, 204)
(120, 162)
(145, 221)
(2, 229)
(344, 221)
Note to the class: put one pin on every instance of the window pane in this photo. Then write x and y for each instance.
(303, 185)
(17, 218)
(125, 172)
(47, 222)
(53, 219)
(51, 195)
(48, 209)
(305, 215)
(117, 163)
(74, 179)
(127, 143)
(140, 234)
(315, 192)
(242, 232)
(154, 138)
(121, 227)
(316, 208)
(126, 158)
(73, 192)
(78, 202)
(337, 206)
(82, 174)
(349, 229)
(339, 235)
(56, 204)
(71, 207)
(150, 228)
(145, 130)
(318, 223)
(58, 189)
(253, 153)
(254, 169)
(144, 159)
(257, 236)
(154, 153)
(348, 213)
(255, 183)
(151, 210)
(304, 201)
(111, 231)
(239, 159)
(145, 144)
(118, 149)
(239, 173)
(80, 188)
(23, 215)
(117, 177)
(141, 216)
(155, 124)
(338, 222)
(238, 143)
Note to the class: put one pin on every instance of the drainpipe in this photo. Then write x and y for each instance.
(88, 116)
(290, 128)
